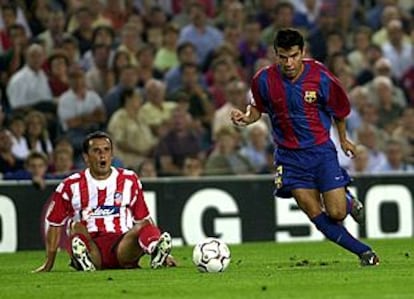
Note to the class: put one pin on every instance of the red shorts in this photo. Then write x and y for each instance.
(107, 244)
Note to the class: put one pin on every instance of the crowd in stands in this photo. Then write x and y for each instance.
(162, 76)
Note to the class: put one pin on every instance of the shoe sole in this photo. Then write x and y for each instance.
(163, 248)
(81, 255)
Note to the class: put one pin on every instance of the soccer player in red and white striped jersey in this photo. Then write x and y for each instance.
(110, 226)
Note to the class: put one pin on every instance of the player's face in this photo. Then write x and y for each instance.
(290, 61)
(99, 157)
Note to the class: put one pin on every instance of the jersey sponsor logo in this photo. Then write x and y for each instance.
(118, 198)
(100, 212)
(310, 96)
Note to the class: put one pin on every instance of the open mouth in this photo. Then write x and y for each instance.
(102, 163)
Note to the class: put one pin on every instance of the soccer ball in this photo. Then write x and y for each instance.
(211, 255)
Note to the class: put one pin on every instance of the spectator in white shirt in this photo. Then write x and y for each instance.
(29, 86)
(80, 111)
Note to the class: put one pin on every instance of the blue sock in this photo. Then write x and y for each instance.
(337, 233)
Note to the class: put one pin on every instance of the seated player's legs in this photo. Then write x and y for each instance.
(144, 237)
(83, 249)
(129, 251)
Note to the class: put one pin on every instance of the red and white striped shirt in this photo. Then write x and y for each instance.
(109, 206)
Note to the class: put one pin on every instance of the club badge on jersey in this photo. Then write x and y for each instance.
(310, 96)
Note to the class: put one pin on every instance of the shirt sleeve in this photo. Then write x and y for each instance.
(138, 206)
(60, 208)
(256, 99)
(338, 103)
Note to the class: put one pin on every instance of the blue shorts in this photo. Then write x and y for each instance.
(311, 168)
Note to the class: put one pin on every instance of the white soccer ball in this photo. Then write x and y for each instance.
(211, 255)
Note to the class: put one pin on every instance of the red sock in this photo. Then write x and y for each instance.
(147, 235)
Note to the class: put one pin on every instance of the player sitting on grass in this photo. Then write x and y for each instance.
(110, 226)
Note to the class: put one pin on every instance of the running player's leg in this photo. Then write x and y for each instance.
(84, 252)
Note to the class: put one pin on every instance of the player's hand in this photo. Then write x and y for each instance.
(349, 148)
(170, 261)
(239, 118)
(46, 267)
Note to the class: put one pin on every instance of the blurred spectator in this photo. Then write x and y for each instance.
(119, 61)
(38, 15)
(35, 169)
(186, 53)
(269, 167)
(231, 13)
(405, 132)
(372, 55)
(58, 73)
(236, 97)
(360, 163)
(200, 105)
(398, 50)
(17, 128)
(114, 10)
(102, 35)
(193, 167)
(128, 78)
(317, 38)
(205, 37)
(389, 111)
(14, 58)
(255, 148)
(8, 16)
(166, 56)
(29, 86)
(100, 77)
(80, 111)
(336, 43)
(84, 32)
(251, 48)
(146, 68)
(8, 161)
(221, 77)
(232, 35)
(147, 169)
(358, 56)
(225, 159)
(395, 158)
(370, 137)
(96, 9)
(179, 143)
(156, 111)
(131, 41)
(282, 17)
(52, 37)
(390, 12)
(62, 163)
(71, 47)
(306, 13)
(37, 136)
(264, 11)
(382, 67)
(133, 139)
(18, 16)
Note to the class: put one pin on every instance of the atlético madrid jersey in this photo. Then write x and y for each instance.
(110, 205)
(300, 111)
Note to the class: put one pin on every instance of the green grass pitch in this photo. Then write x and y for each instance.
(257, 270)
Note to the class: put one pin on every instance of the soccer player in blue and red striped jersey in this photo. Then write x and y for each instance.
(302, 99)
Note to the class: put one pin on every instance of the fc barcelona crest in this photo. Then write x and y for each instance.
(310, 96)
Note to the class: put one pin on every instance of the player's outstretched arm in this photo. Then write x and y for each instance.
(52, 243)
(240, 118)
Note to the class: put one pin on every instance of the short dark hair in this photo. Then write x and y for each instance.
(94, 135)
(288, 38)
(126, 94)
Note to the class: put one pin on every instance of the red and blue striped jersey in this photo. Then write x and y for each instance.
(300, 111)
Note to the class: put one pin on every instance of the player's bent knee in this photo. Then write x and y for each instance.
(78, 228)
(337, 215)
